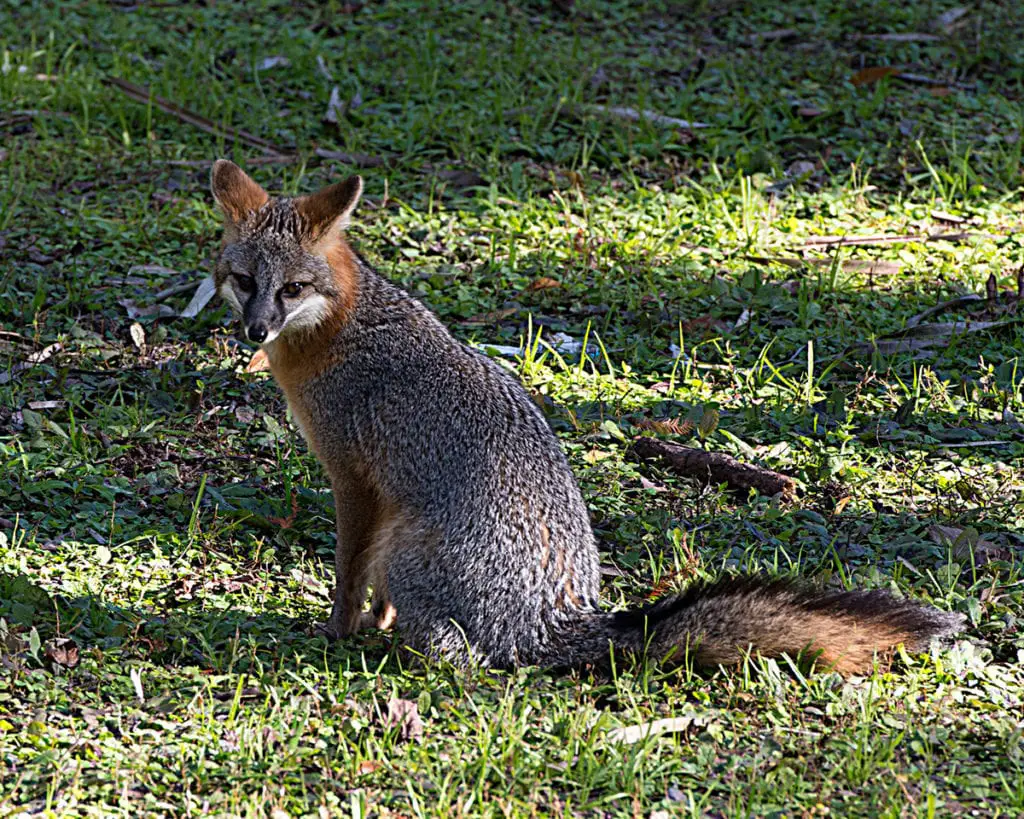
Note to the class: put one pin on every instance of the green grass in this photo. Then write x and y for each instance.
(158, 511)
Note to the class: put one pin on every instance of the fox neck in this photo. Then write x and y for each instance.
(297, 357)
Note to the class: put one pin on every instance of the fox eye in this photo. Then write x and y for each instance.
(293, 289)
(244, 282)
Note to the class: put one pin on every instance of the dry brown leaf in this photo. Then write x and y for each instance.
(62, 651)
(667, 426)
(873, 74)
(368, 766)
(941, 91)
(258, 363)
(543, 283)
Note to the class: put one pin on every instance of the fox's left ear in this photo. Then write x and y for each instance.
(327, 211)
(236, 193)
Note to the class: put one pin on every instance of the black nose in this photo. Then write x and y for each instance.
(256, 332)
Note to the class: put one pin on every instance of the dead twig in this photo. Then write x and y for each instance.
(872, 266)
(173, 290)
(140, 93)
(898, 37)
(31, 361)
(883, 239)
(275, 153)
(619, 111)
(715, 467)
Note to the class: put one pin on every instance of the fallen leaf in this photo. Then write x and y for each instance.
(667, 426)
(543, 283)
(323, 68)
(942, 216)
(151, 311)
(948, 18)
(335, 110)
(200, 298)
(673, 725)
(62, 651)
(873, 74)
(368, 766)
(941, 91)
(138, 335)
(809, 111)
(258, 363)
(406, 715)
(273, 62)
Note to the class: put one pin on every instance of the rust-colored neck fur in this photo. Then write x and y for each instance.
(294, 360)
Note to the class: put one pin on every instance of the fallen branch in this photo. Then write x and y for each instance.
(874, 266)
(908, 37)
(883, 239)
(140, 93)
(715, 467)
(620, 111)
(275, 153)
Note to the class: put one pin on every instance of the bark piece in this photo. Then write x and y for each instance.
(715, 467)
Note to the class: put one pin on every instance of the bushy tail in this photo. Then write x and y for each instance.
(717, 623)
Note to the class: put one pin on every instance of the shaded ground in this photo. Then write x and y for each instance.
(165, 538)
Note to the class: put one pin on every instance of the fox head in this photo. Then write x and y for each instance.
(284, 266)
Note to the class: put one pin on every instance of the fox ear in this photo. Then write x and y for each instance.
(327, 211)
(236, 193)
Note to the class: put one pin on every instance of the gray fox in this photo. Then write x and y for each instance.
(453, 499)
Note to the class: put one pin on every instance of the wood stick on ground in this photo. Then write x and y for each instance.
(141, 93)
(715, 467)
(620, 111)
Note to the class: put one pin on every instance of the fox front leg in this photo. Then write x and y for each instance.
(355, 514)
